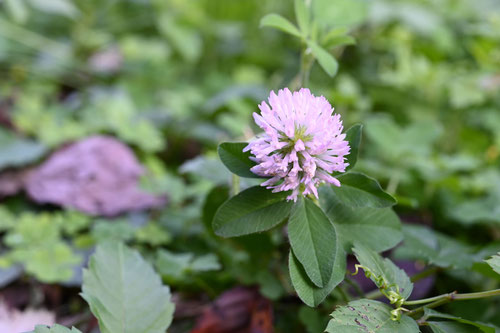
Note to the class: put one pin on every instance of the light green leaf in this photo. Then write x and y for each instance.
(303, 15)
(339, 12)
(17, 10)
(233, 157)
(172, 264)
(494, 262)
(377, 228)
(368, 316)
(309, 293)
(358, 190)
(353, 136)
(281, 23)
(54, 329)
(325, 59)
(313, 240)
(395, 278)
(253, 210)
(429, 313)
(207, 262)
(124, 292)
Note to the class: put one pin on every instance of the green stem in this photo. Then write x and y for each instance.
(236, 184)
(446, 298)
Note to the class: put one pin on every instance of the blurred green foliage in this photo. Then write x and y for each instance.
(172, 78)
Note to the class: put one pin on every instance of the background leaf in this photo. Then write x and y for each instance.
(303, 16)
(494, 262)
(359, 190)
(233, 157)
(313, 240)
(368, 316)
(429, 313)
(353, 136)
(281, 23)
(16, 152)
(124, 292)
(54, 329)
(253, 210)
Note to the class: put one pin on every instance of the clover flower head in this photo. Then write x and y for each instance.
(302, 143)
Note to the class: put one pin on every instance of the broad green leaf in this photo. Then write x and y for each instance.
(353, 136)
(253, 210)
(426, 244)
(313, 240)
(54, 329)
(325, 59)
(233, 157)
(368, 316)
(451, 327)
(358, 190)
(124, 292)
(429, 313)
(15, 152)
(309, 293)
(494, 262)
(395, 278)
(303, 15)
(281, 23)
(377, 228)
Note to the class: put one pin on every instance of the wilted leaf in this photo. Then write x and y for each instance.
(124, 292)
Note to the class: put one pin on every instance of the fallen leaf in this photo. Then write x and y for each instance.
(97, 176)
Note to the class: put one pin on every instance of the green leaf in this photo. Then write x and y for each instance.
(124, 292)
(377, 228)
(451, 327)
(57, 7)
(325, 59)
(281, 23)
(494, 262)
(16, 152)
(394, 278)
(172, 264)
(353, 136)
(368, 316)
(338, 41)
(309, 293)
(429, 313)
(233, 157)
(358, 190)
(313, 321)
(54, 329)
(303, 15)
(17, 10)
(313, 240)
(253, 210)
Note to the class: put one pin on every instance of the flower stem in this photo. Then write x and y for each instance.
(235, 184)
(446, 298)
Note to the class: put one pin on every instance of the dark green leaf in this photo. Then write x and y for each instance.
(353, 136)
(377, 228)
(124, 292)
(253, 210)
(325, 59)
(451, 327)
(429, 313)
(233, 157)
(281, 23)
(306, 290)
(313, 240)
(368, 316)
(395, 278)
(359, 190)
